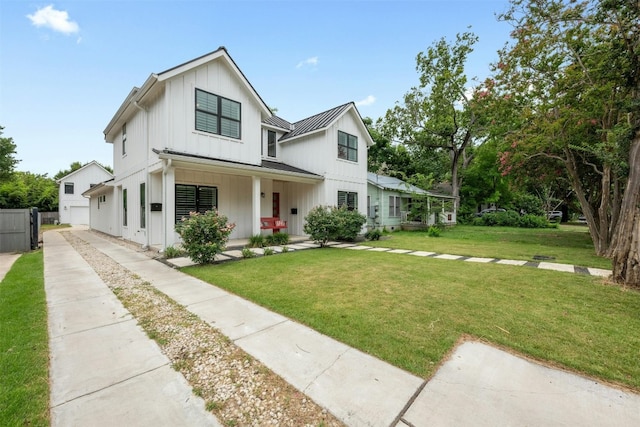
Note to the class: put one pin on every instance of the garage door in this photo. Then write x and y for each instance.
(79, 215)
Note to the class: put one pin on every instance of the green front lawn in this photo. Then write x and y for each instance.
(567, 244)
(24, 345)
(410, 311)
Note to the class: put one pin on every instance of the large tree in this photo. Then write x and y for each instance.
(436, 115)
(7, 156)
(27, 190)
(567, 89)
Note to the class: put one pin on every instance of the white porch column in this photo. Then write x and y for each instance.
(168, 204)
(255, 205)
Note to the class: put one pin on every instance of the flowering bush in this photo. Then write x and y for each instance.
(204, 235)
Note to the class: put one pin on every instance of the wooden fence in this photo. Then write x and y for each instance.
(18, 230)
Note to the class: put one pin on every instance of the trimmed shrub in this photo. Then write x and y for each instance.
(204, 235)
(324, 223)
(511, 219)
(349, 223)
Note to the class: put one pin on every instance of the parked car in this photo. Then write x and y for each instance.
(554, 216)
(489, 210)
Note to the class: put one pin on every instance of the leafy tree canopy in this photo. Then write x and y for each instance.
(8, 161)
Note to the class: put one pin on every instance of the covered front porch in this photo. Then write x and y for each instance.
(244, 193)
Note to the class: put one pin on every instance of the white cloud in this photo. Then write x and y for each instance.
(313, 61)
(367, 101)
(57, 20)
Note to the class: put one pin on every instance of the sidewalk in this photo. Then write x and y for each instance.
(478, 385)
(104, 370)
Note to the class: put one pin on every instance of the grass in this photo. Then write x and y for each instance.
(567, 244)
(410, 311)
(24, 351)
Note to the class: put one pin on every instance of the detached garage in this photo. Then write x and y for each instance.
(73, 207)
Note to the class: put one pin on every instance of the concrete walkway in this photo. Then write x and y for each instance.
(6, 261)
(543, 265)
(94, 362)
(104, 370)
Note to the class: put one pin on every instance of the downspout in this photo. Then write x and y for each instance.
(147, 216)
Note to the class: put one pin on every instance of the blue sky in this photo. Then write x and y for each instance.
(66, 66)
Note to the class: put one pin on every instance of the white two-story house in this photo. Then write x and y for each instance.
(198, 136)
(73, 208)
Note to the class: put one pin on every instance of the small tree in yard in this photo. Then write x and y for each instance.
(324, 223)
(204, 235)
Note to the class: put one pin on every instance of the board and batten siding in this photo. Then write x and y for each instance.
(74, 208)
(216, 78)
(234, 197)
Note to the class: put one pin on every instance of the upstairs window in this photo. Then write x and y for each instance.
(347, 147)
(68, 188)
(271, 143)
(217, 115)
(349, 199)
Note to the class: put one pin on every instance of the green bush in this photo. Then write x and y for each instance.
(511, 219)
(248, 253)
(257, 241)
(374, 234)
(277, 239)
(324, 223)
(433, 231)
(173, 252)
(268, 251)
(204, 235)
(349, 223)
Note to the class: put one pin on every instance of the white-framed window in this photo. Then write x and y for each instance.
(394, 206)
(349, 199)
(125, 214)
(347, 147)
(271, 143)
(124, 139)
(68, 188)
(218, 115)
(194, 198)
(143, 211)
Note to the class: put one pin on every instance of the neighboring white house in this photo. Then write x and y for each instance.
(73, 207)
(199, 136)
(389, 202)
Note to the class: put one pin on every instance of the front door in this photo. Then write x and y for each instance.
(276, 205)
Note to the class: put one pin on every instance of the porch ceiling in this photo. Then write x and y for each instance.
(267, 169)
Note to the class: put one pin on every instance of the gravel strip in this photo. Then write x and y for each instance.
(236, 388)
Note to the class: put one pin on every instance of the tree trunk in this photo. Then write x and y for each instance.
(625, 246)
(588, 211)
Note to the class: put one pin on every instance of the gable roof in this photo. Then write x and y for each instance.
(395, 184)
(278, 122)
(155, 82)
(84, 167)
(322, 121)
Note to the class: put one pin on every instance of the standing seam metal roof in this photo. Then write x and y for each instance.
(316, 122)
